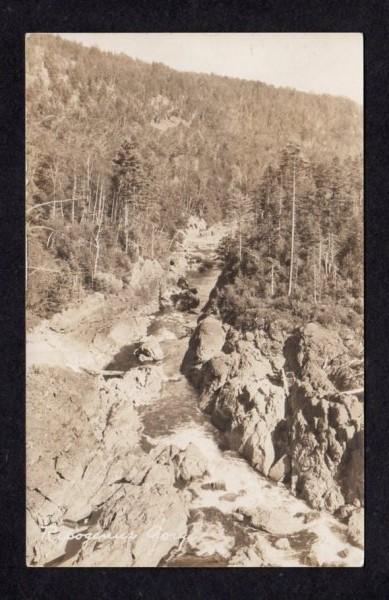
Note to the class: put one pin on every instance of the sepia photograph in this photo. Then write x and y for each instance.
(194, 300)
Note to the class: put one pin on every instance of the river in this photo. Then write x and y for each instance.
(214, 533)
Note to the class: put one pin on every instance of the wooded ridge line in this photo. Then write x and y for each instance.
(121, 153)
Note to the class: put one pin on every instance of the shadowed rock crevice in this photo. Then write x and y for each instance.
(125, 359)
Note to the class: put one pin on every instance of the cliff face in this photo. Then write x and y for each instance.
(87, 476)
(94, 496)
(275, 394)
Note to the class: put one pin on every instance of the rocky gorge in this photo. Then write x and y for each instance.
(167, 437)
(95, 497)
(289, 401)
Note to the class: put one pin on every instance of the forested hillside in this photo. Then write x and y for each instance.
(120, 153)
(298, 243)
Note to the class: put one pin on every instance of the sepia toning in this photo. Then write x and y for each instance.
(194, 312)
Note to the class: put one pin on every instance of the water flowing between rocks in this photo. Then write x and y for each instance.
(214, 531)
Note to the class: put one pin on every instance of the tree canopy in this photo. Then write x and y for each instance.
(120, 153)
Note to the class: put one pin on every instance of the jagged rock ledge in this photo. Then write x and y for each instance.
(275, 393)
(94, 497)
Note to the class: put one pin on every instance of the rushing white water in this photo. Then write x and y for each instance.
(214, 532)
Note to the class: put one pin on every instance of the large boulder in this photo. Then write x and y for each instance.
(321, 341)
(138, 386)
(210, 338)
(275, 521)
(190, 464)
(238, 389)
(149, 350)
(240, 392)
(205, 343)
(186, 464)
(257, 444)
(174, 291)
(186, 299)
(213, 376)
(353, 469)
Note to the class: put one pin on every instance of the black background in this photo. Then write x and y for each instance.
(18, 581)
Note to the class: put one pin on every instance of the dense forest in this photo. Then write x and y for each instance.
(120, 153)
(298, 242)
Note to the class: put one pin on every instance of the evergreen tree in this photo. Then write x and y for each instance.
(240, 209)
(128, 182)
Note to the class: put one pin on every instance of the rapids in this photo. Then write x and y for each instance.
(214, 532)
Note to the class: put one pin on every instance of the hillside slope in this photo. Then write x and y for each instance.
(120, 153)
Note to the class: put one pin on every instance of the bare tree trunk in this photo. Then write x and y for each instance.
(279, 212)
(88, 189)
(320, 257)
(326, 258)
(240, 241)
(113, 208)
(100, 211)
(61, 204)
(54, 212)
(314, 282)
(97, 255)
(74, 196)
(96, 199)
(272, 280)
(293, 229)
(152, 242)
(332, 255)
(97, 237)
(126, 225)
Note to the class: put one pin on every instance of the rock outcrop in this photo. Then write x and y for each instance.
(149, 350)
(275, 522)
(205, 344)
(94, 497)
(139, 386)
(146, 516)
(144, 271)
(273, 394)
(186, 298)
(174, 289)
(256, 553)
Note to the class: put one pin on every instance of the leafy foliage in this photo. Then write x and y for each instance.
(120, 153)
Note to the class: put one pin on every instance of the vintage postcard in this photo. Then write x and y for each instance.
(194, 276)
